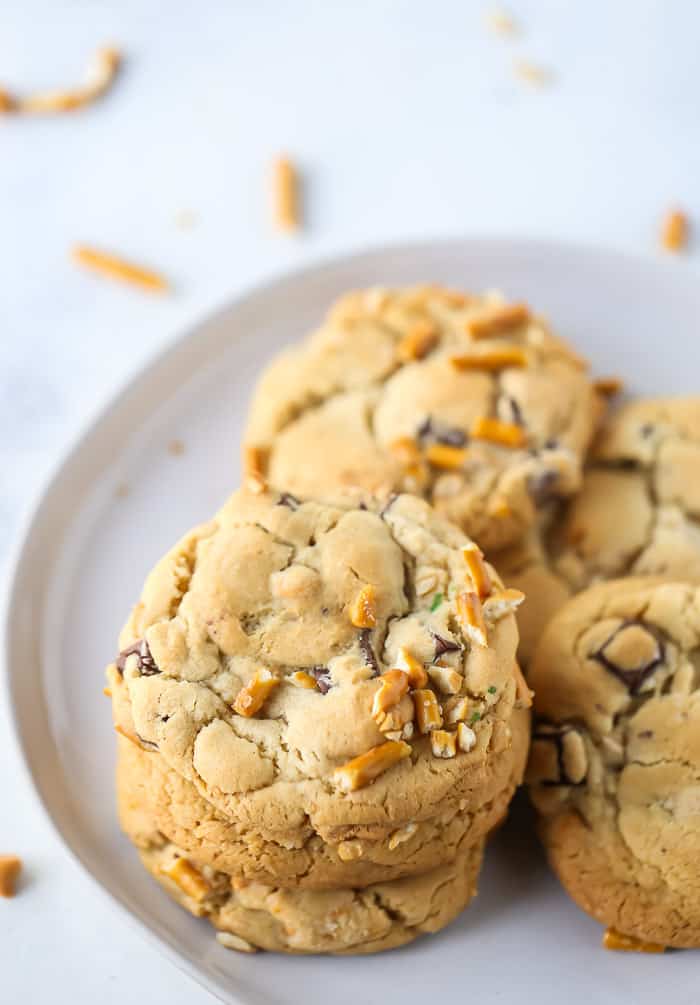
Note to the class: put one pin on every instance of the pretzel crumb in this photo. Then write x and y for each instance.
(285, 180)
(675, 231)
(115, 267)
(501, 321)
(470, 615)
(418, 342)
(254, 468)
(608, 386)
(441, 455)
(500, 22)
(230, 941)
(100, 76)
(532, 74)
(507, 434)
(10, 868)
(492, 361)
(612, 939)
(478, 572)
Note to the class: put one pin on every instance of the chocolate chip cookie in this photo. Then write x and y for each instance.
(319, 670)
(615, 760)
(468, 401)
(148, 790)
(251, 916)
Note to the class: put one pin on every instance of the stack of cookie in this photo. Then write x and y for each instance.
(321, 719)
(321, 712)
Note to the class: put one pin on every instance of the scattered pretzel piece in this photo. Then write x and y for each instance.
(442, 455)
(428, 714)
(286, 194)
(492, 361)
(10, 868)
(117, 268)
(363, 609)
(418, 342)
(507, 434)
(608, 386)
(498, 322)
(674, 231)
(362, 770)
(470, 615)
(476, 567)
(190, 880)
(100, 76)
(612, 939)
(413, 668)
(442, 743)
(251, 698)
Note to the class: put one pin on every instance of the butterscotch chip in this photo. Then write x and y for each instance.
(507, 434)
(674, 231)
(10, 868)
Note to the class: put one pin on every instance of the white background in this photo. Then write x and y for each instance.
(408, 120)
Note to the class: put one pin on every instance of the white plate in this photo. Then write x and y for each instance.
(87, 551)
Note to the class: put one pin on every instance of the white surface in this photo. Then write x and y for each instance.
(88, 551)
(408, 120)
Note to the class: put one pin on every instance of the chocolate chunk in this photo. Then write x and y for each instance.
(288, 500)
(557, 737)
(444, 645)
(516, 412)
(551, 444)
(323, 678)
(146, 664)
(541, 486)
(646, 430)
(646, 653)
(451, 436)
(367, 651)
(646, 734)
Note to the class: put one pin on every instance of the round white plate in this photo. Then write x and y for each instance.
(89, 546)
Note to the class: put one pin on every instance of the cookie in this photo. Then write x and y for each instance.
(318, 670)
(638, 513)
(341, 922)
(639, 510)
(150, 794)
(468, 401)
(615, 757)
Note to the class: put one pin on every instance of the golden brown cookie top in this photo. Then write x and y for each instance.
(617, 684)
(287, 654)
(466, 400)
(639, 509)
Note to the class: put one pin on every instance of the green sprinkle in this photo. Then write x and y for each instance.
(437, 600)
(475, 718)
(492, 689)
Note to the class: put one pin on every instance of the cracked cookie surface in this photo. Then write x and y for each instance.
(467, 401)
(252, 667)
(615, 760)
(638, 514)
(342, 921)
(152, 795)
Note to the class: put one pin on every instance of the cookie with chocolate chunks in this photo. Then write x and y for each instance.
(615, 756)
(324, 670)
(468, 401)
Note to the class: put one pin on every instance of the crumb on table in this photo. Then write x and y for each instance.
(10, 868)
(675, 230)
(176, 448)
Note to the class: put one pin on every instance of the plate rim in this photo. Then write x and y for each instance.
(173, 345)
